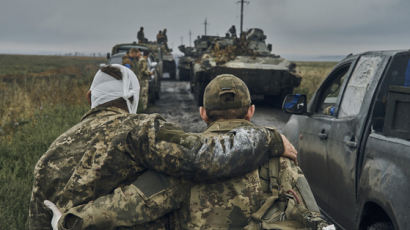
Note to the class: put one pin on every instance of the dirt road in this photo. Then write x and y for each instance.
(177, 105)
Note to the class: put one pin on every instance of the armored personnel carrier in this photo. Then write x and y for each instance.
(249, 58)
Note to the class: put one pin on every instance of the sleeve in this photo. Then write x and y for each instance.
(166, 148)
(149, 198)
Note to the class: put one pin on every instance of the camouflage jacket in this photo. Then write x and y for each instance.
(143, 71)
(110, 148)
(275, 196)
(133, 62)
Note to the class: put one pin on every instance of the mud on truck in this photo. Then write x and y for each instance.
(353, 140)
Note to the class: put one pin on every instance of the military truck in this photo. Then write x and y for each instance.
(156, 53)
(353, 140)
(248, 58)
(154, 63)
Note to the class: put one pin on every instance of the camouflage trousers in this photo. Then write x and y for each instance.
(143, 101)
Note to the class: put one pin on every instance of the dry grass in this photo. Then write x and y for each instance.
(40, 97)
(313, 73)
(52, 81)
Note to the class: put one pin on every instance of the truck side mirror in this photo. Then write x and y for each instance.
(295, 104)
(108, 56)
(270, 47)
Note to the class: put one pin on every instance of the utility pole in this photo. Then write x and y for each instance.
(242, 2)
(190, 36)
(205, 24)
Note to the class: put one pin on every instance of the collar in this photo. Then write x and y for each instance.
(103, 111)
(227, 125)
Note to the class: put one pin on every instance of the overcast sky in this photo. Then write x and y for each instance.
(294, 27)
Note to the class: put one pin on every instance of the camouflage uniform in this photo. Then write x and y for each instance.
(110, 148)
(143, 76)
(275, 196)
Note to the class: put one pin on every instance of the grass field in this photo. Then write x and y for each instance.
(40, 98)
(313, 73)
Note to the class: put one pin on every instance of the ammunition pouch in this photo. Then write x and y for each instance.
(287, 209)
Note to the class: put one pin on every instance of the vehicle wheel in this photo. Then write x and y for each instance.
(151, 98)
(156, 95)
(191, 86)
(273, 100)
(381, 226)
(199, 93)
(173, 74)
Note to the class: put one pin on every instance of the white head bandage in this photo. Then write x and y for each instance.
(106, 88)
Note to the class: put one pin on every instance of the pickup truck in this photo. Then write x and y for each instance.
(154, 64)
(353, 140)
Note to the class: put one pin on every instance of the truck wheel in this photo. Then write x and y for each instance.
(173, 74)
(273, 100)
(381, 226)
(199, 92)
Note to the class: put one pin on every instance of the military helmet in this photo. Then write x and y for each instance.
(226, 91)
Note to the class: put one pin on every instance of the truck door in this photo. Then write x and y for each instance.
(344, 137)
(314, 136)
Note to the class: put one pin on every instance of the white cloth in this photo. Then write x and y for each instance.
(106, 88)
(56, 214)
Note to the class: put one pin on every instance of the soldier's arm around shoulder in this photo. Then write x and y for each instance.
(150, 197)
(165, 147)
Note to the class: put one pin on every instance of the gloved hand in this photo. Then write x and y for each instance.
(56, 214)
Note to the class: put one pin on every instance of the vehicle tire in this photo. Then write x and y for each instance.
(151, 97)
(273, 100)
(381, 226)
(199, 93)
